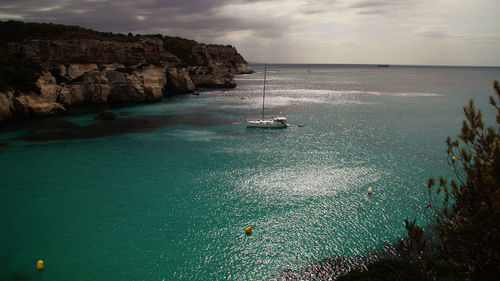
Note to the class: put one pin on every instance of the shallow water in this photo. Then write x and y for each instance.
(165, 191)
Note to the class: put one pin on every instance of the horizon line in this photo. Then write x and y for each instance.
(373, 64)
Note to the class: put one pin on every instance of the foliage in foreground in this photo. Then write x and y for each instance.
(468, 218)
(467, 210)
(385, 270)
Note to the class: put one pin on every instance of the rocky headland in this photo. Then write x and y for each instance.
(69, 65)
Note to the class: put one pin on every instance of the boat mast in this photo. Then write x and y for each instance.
(264, 92)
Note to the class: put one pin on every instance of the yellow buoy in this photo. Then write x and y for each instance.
(39, 265)
(248, 230)
(453, 159)
(370, 190)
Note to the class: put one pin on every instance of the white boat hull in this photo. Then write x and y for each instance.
(272, 123)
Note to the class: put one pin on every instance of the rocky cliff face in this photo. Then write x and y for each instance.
(216, 66)
(88, 71)
(62, 51)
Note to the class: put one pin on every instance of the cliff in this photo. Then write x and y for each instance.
(72, 65)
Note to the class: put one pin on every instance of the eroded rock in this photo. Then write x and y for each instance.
(179, 81)
(106, 115)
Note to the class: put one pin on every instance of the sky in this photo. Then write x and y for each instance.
(417, 32)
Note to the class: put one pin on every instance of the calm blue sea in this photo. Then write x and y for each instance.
(166, 191)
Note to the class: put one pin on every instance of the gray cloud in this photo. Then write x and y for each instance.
(374, 12)
(440, 34)
(381, 7)
(433, 34)
(311, 7)
(369, 4)
(198, 18)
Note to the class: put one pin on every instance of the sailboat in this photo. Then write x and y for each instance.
(276, 122)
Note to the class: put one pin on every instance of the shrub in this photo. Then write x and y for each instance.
(18, 31)
(17, 73)
(467, 220)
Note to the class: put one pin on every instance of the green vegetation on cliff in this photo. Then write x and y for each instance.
(181, 48)
(11, 31)
(17, 73)
(17, 31)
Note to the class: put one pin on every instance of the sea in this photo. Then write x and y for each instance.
(166, 190)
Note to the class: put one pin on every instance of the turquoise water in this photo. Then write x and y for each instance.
(165, 191)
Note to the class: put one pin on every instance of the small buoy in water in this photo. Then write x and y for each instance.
(453, 159)
(248, 230)
(39, 265)
(370, 190)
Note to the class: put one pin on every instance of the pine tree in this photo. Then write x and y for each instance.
(468, 207)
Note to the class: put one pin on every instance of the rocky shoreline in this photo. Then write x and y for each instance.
(134, 69)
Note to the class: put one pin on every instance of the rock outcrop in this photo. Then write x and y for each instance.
(216, 66)
(91, 51)
(6, 105)
(106, 115)
(33, 105)
(179, 81)
(110, 68)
